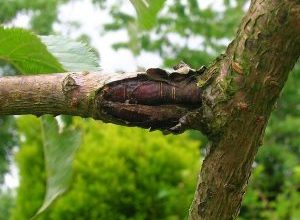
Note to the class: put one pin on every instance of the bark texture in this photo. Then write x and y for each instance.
(250, 77)
(153, 99)
(231, 101)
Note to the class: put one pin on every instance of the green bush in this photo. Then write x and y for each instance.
(120, 173)
(30, 162)
(7, 202)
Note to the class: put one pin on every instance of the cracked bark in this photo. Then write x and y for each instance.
(155, 100)
(231, 102)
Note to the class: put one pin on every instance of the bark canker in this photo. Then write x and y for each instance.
(237, 96)
(155, 100)
(150, 102)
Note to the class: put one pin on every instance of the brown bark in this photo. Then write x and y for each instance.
(153, 100)
(249, 80)
(231, 104)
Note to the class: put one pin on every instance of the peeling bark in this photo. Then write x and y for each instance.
(230, 102)
(155, 100)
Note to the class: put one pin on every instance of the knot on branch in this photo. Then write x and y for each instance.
(69, 83)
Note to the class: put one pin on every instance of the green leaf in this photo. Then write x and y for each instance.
(29, 53)
(74, 56)
(26, 52)
(59, 149)
(147, 11)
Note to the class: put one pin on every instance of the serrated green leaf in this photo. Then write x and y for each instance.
(31, 54)
(147, 11)
(26, 52)
(73, 55)
(59, 149)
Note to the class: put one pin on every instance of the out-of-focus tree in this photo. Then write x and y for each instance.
(149, 176)
(30, 161)
(8, 140)
(7, 202)
(42, 13)
(183, 31)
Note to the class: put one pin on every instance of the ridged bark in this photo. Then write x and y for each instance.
(231, 101)
(248, 81)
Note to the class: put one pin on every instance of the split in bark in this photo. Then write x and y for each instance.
(230, 102)
(154, 99)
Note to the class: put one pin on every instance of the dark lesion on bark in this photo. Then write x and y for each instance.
(157, 100)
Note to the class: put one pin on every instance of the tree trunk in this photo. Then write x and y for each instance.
(230, 102)
(249, 80)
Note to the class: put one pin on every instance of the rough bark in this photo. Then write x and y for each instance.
(231, 102)
(250, 77)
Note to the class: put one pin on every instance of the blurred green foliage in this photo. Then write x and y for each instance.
(155, 179)
(121, 173)
(7, 203)
(147, 11)
(8, 140)
(30, 160)
(183, 31)
(43, 12)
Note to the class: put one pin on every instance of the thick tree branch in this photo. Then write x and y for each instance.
(248, 81)
(231, 102)
(155, 99)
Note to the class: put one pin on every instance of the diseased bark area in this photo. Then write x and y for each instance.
(149, 101)
(255, 67)
(231, 104)
(155, 100)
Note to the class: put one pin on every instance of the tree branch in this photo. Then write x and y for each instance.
(231, 102)
(155, 100)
